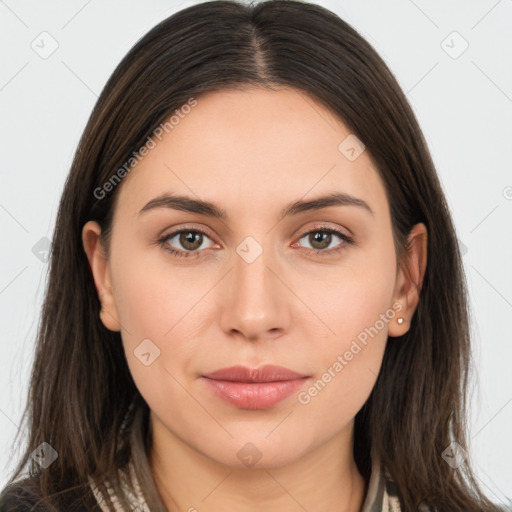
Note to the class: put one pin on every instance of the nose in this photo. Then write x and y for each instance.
(255, 299)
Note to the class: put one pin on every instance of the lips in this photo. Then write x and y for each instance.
(266, 373)
(254, 388)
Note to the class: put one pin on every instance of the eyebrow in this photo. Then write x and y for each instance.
(191, 205)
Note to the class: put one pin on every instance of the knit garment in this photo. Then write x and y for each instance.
(133, 494)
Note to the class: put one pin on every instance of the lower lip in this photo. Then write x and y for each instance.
(254, 395)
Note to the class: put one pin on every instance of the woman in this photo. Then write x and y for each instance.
(256, 297)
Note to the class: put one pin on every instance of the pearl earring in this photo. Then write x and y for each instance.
(400, 320)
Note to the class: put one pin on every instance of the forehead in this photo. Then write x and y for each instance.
(253, 146)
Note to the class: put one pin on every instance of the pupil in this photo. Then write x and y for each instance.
(323, 238)
(189, 238)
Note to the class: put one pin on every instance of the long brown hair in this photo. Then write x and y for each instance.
(82, 399)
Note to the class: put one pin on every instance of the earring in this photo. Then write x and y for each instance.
(400, 320)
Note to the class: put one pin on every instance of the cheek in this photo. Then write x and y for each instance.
(146, 294)
(159, 311)
(348, 366)
(154, 322)
(351, 296)
(357, 308)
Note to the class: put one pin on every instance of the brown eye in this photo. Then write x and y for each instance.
(320, 240)
(184, 242)
(189, 240)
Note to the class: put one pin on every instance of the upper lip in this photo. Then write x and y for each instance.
(267, 373)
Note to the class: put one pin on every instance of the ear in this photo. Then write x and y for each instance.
(410, 279)
(101, 273)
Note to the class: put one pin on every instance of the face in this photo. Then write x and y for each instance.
(315, 291)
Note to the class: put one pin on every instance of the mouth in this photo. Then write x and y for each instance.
(258, 388)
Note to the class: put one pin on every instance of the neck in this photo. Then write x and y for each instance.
(325, 480)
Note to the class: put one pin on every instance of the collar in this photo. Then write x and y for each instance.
(133, 492)
(381, 495)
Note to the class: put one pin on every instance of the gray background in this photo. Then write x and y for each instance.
(463, 100)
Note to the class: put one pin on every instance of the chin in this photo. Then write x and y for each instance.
(257, 452)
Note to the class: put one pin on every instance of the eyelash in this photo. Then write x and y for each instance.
(320, 229)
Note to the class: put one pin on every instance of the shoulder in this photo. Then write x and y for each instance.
(23, 496)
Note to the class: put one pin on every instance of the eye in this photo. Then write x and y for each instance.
(321, 238)
(190, 239)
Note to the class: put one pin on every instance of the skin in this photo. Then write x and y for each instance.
(252, 152)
